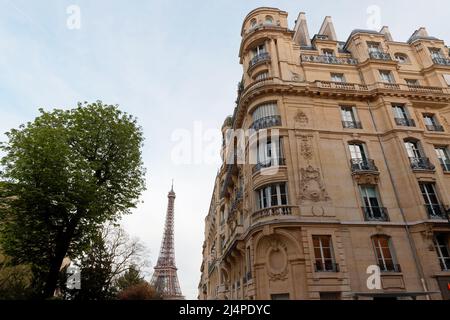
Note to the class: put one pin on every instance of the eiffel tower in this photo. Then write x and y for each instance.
(165, 279)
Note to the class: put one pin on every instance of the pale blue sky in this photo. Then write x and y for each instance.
(170, 63)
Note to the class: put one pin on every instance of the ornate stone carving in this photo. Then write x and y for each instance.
(311, 185)
(366, 178)
(306, 149)
(301, 118)
(277, 260)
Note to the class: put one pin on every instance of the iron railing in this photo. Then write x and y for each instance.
(360, 164)
(266, 122)
(390, 267)
(272, 211)
(328, 59)
(421, 163)
(378, 55)
(435, 127)
(352, 124)
(327, 266)
(375, 213)
(405, 122)
(260, 57)
(436, 211)
(441, 61)
(270, 163)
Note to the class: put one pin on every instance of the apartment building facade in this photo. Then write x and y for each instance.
(352, 173)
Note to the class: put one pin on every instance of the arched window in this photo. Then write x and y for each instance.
(269, 20)
(401, 57)
(266, 115)
(253, 23)
(384, 253)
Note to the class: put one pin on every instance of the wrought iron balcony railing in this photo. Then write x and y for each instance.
(272, 211)
(421, 163)
(435, 127)
(436, 211)
(352, 124)
(327, 266)
(441, 61)
(390, 267)
(261, 57)
(378, 55)
(270, 163)
(405, 122)
(327, 59)
(363, 165)
(375, 214)
(266, 122)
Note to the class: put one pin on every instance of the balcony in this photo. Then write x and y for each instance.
(418, 88)
(378, 55)
(341, 85)
(390, 267)
(435, 127)
(441, 61)
(271, 163)
(328, 59)
(421, 164)
(405, 122)
(351, 124)
(436, 211)
(328, 266)
(272, 212)
(375, 214)
(266, 122)
(359, 165)
(259, 58)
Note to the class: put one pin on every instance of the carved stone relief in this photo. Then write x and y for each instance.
(306, 149)
(277, 260)
(311, 185)
(301, 118)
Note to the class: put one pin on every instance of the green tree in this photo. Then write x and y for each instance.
(68, 172)
(130, 278)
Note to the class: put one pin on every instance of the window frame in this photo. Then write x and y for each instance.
(380, 254)
(264, 196)
(327, 264)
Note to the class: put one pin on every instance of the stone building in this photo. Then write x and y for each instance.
(353, 178)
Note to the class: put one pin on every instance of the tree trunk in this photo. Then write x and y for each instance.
(62, 246)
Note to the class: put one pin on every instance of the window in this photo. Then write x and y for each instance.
(374, 47)
(401, 116)
(357, 151)
(266, 115)
(386, 76)
(328, 52)
(436, 53)
(401, 58)
(323, 252)
(412, 82)
(432, 203)
(447, 78)
(330, 295)
(272, 195)
(269, 20)
(270, 152)
(442, 243)
(444, 158)
(262, 75)
(337, 77)
(279, 296)
(253, 23)
(259, 50)
(384, 253)
(248, 266)
(371, 204)
(431, 122)
(349, 118)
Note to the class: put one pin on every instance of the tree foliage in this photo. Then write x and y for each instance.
(67, 172)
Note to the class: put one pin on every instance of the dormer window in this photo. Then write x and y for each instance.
(436, 53)
(328, 52)
(269, 20)
(374, 47)
(401, 58)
